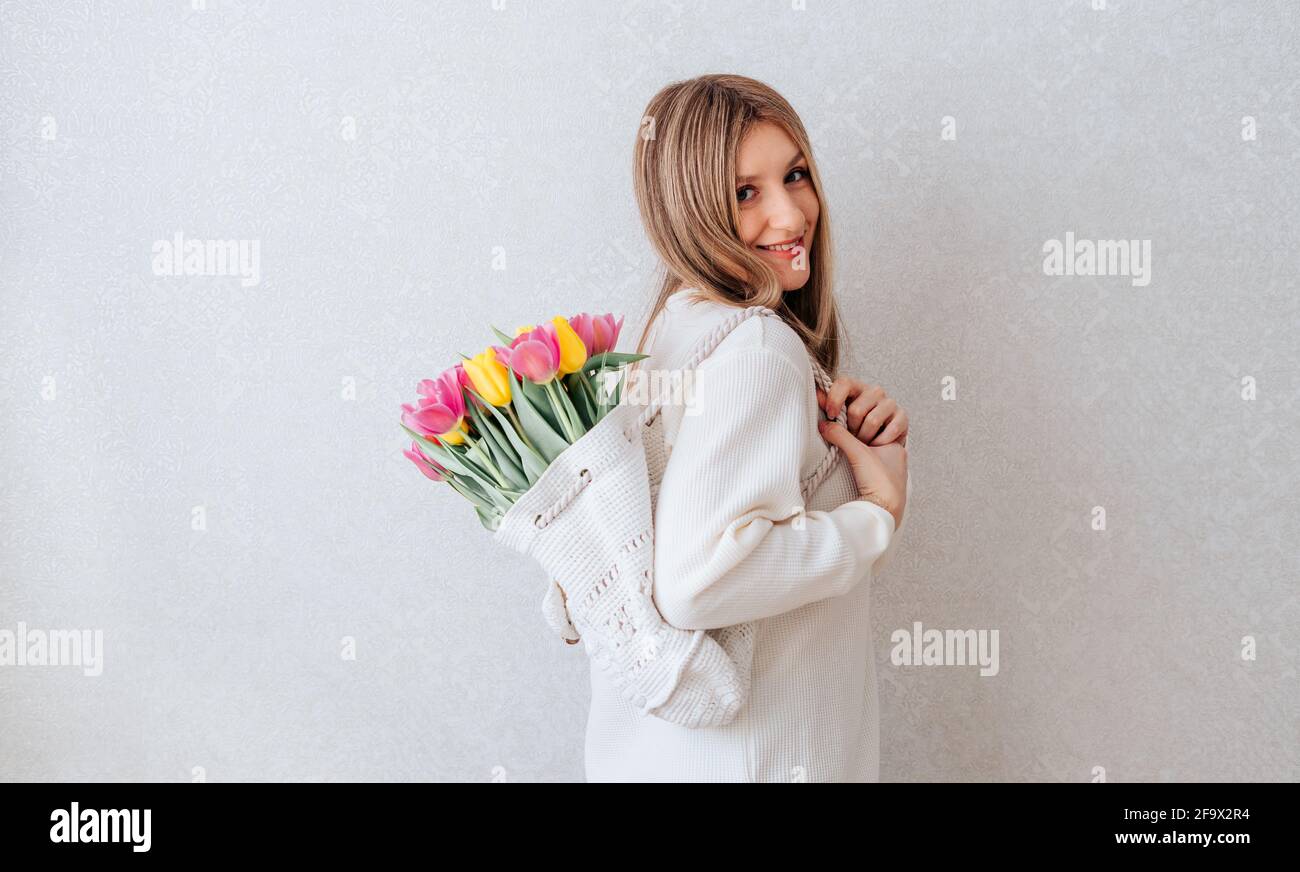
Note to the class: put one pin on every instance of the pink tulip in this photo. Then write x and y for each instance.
(598, 332)
(606, 333)
(446, 387)
(430, 468)
(534, 354)
(441, 405)
(430, 423)
(582, 325)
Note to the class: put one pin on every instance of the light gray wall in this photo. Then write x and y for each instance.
(130, 398)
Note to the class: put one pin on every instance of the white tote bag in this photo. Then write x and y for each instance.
(589, 522)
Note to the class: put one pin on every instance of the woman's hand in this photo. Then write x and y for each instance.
(871, 415)
(881, 473)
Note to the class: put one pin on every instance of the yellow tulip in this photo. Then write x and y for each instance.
(456, 436)
(519, 330)
(489, 376)
(573, 354)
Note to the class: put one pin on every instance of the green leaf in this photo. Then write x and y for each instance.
(491, 520)
(488, 428)
(503, 337)
(540, 432)
(468, 487)
(599, 403)
(478, 501)
(567, 428)
(588, 390)
(568, 410)
(578, 394)
(503, 455)
(506, 459)
(534, 464)
(603, 398)
(458, 463)
(474, 455)
(480, 455)
(611, 358)
(537, 395)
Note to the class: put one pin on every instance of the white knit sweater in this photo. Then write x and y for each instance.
(733, 544)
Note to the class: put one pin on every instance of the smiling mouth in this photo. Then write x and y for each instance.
(788, 245)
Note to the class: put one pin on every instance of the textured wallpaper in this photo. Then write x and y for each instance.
(1067, 244)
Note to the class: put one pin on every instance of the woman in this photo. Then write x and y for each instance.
(731, 199)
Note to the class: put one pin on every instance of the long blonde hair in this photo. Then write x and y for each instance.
(684, 170)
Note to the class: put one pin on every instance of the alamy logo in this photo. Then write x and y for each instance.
(640, 387)
(1105, 257)
(179, 256)
(102, 825)
(84, 648)
(945, 648)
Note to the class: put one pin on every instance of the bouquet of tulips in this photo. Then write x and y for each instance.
(490, 425)
(562, 468)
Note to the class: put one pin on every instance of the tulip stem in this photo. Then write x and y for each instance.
(509, 409)
(557, 405)
(488, 463)
(467, 494)
(596, 406)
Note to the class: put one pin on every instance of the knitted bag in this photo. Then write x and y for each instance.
(589, 522)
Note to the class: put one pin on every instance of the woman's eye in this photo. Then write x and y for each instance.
(799, 171)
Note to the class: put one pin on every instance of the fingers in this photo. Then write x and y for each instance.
(859, 398)
(887, 435)
(837, 396)
(894, 431)
(858, 409)
(835, 433)
(869, 412)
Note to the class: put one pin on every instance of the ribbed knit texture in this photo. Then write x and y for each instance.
(588, 522)
(736, 544)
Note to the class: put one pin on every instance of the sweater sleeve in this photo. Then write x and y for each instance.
(733, 542)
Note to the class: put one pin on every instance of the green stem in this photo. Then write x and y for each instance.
(488, 463)
(467, 494)
(596, 405)
(561, 415)
(519, 428)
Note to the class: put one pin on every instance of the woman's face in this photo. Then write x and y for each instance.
(777, 203)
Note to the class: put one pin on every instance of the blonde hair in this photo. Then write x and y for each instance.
(684, 171)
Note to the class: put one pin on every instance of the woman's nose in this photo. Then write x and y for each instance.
(784, 214)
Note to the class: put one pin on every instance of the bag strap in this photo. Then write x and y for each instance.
(706, 346)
